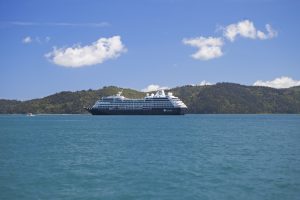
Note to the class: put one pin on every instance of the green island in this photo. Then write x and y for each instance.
(221, 98)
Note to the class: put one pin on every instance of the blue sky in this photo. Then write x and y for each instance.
(145, 42)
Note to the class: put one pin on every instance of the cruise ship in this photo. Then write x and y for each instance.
(154, 104)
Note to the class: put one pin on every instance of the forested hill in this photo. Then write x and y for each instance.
(235, 98)
(219, 98)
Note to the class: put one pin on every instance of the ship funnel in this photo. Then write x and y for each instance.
(160, 93)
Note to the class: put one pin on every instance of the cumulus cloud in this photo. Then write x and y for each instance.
(282, 82)
(204, 82)
(271, 33)
(153, 87)
(80, 56)
(27, 40)
(208, 48)
(247, 29)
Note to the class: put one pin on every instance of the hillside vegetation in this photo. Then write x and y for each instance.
(219, 98)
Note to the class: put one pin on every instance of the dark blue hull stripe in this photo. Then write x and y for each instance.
(172, 111)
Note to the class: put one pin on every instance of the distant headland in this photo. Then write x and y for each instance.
(221, 98)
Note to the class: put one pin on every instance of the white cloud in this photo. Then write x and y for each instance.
(247, 29)
(153, 87)
(27, 40)
(204, 82)
(282, 82)
(96, 53)
(38, 40)
(208, 48)
(271, 33)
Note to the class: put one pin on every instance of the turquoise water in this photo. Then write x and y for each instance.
(150, 157)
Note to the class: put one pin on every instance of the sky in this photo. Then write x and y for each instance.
(69, 45)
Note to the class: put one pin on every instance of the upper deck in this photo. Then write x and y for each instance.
(158, 100)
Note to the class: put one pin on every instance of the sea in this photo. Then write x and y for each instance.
(209, 157)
